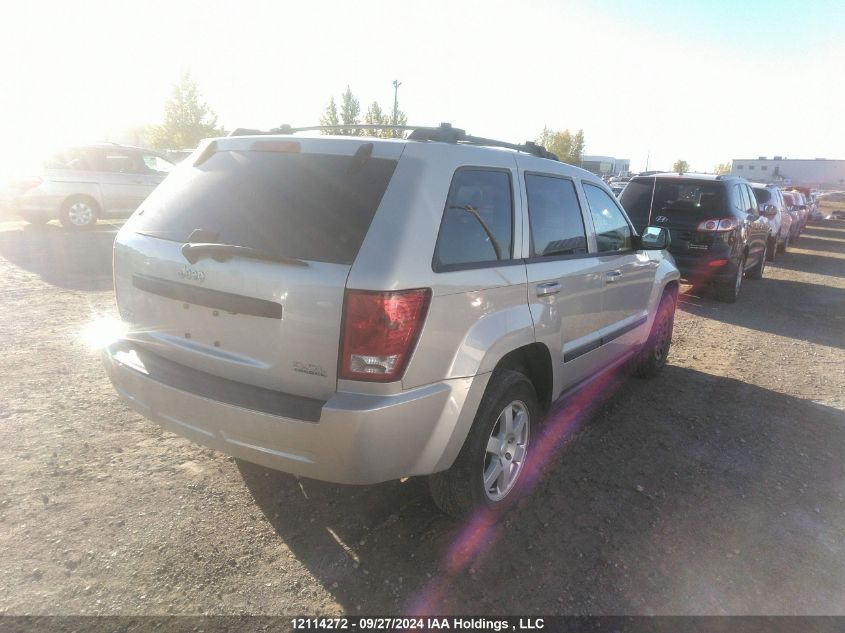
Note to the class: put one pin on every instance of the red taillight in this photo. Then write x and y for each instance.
(715, 263)
(718, 224)
(25, 184)
(380, 331)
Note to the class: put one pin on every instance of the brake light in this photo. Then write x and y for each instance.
(718, 225)
(25, 184)
(380, 331)
(285, 147)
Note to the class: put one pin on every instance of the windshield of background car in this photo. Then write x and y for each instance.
(311, 206)
(670, 195)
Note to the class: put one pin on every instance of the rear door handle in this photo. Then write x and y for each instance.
(612, 275)
(547, 289)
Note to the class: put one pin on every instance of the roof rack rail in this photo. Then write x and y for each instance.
(444, 133)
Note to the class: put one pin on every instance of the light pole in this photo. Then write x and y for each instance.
(396, 84)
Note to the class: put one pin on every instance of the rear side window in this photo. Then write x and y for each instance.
(477, 224)
(310, 206)
(75, 158)
(557, 227)
(612, 230)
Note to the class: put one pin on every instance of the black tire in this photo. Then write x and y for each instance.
(772, 250)
(784, 245)
(461, 491)
(728, 291)
(651, 360)
(79, 213)
(756, 271)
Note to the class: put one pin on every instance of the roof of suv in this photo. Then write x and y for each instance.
(391, 147)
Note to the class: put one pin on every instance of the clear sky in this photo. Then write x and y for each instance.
(705, 81)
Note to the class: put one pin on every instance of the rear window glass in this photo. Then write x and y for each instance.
(763, 195)
(477, 224)
(310, 206)
(676, 195)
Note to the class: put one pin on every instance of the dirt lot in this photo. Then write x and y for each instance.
(717, 488)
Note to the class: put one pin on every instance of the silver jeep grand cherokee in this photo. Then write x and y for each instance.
(358, 310)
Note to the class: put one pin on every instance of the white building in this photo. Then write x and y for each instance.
(816, 173)
(606, 165)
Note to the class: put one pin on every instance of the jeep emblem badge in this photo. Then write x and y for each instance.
(191, 273)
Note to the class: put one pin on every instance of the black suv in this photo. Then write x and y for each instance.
(717, 232)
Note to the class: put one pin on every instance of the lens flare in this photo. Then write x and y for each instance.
(102, 331)
(480, 533)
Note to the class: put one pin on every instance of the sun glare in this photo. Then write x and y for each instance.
(102, 331)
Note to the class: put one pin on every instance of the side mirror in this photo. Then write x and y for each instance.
(769, 210)
(653, 238)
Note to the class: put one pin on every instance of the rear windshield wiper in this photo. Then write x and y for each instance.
(223, 252)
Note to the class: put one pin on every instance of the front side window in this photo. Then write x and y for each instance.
(477, 224)
(752, 202)
(157, 164)
(613, 233)
(763, 195)
(557, 227)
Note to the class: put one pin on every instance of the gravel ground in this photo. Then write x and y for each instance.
(716, 489)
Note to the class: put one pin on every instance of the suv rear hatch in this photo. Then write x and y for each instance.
(236, 265)
(679, 204)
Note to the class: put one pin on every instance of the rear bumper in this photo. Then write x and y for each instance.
(358, 439)
(701, 268)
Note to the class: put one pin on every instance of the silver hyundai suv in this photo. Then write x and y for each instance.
(359, 310)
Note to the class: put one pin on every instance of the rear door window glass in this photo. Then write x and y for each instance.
(477, 224)
(557, 226)
(312, 206)
(613, 233)
(75, 158)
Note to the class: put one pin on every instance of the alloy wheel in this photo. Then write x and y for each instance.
(80, 214)
(506, 451)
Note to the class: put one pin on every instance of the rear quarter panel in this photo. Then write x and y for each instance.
(476, 315)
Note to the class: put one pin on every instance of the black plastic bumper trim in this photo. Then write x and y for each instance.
(216, 388)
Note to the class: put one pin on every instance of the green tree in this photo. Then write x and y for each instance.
(723, 168)
(187, 118)
(397, 118)
(349, 113)
(680, 166)
(330, 117)
(376, 116)
(568, 148)
(350, 110)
